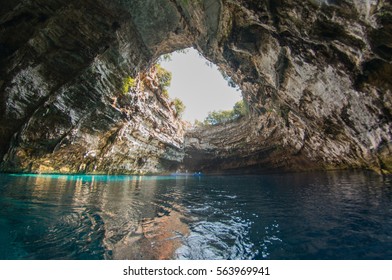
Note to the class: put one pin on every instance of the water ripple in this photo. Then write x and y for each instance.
(293, 216)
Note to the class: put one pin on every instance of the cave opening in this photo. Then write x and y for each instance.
(210, 95)
(85, 102)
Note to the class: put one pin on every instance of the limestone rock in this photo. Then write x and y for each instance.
(315, 74)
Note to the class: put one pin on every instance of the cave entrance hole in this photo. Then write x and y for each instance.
(201, 86)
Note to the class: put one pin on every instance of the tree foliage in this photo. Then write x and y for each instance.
(164, 77)
(165, 57)
(228, 79)
(128, 83)
(164, 81)
(179, 106)
(219, 117)
(240, 109)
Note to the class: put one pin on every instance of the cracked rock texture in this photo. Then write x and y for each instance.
(315, 74)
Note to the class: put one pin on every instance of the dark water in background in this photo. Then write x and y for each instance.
(337, 215)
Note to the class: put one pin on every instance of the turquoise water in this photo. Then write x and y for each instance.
(337, 215)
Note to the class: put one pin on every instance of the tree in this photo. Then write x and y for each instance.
(219, 117)
(198, 123)
(165, 57)
(179, 106)
(240, 109)
(164, 77)
(228, 79)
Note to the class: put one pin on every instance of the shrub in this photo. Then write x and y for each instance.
(128, 83)
(164, 77)
(228, 79)
(219, 117)
(240, 109)
(179, 106)
(165, 93)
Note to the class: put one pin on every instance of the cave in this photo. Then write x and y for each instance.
(84, 116)
(307, 70)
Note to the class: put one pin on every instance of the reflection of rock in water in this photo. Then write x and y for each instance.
(227, 239)
(155, 239)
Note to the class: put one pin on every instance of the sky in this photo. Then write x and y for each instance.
(201, 87)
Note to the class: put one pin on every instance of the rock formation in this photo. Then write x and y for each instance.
(315, 74)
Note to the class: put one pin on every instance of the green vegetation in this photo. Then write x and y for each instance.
(228, 79)
(218, 117)
(128, 83)
(164, 79)
(179, 106)
(164, 76)
(168, 56)
(239, 110)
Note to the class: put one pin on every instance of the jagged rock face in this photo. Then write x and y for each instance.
(316, 76)
(63, 106)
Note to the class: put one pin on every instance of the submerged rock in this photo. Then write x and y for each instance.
(315, 74)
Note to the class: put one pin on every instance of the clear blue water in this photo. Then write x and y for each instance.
(337, 215)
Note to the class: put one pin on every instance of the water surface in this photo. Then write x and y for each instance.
(336, 215)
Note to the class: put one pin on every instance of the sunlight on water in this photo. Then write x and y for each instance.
(293, 216)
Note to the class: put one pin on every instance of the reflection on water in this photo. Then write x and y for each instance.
(292, 216)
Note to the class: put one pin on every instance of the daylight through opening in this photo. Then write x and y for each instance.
(208, 96)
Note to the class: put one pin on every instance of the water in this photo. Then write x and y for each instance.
(337, 215)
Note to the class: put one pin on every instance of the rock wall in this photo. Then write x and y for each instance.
(315, 74)
(63, 105)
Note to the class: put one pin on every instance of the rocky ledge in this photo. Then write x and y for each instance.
(315, 74)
